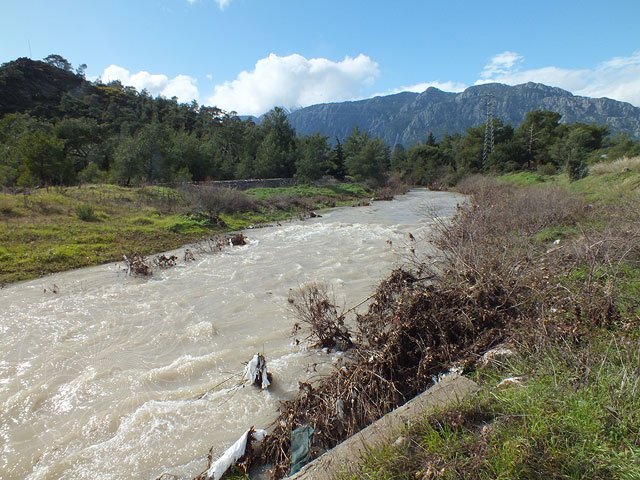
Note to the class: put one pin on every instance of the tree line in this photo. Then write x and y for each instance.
(94, 132)
(541, 143)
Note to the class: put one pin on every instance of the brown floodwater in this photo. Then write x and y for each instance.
(117, 377)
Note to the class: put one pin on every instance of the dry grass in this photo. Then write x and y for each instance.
(622, 165)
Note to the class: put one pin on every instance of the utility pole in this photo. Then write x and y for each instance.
(488, 132)
(530, 149)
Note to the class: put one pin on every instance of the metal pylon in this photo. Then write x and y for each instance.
(488, 132)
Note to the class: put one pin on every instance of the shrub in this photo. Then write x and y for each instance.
(86, 213)
(216, 200)
(319, 315)
(547, 169)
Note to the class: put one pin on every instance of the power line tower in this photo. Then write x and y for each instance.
(488, 132)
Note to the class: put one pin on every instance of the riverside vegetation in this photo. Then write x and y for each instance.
(57, 229)
(549, 268)
(564, 258)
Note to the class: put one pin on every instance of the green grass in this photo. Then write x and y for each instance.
(556, 232)
(622, 280)
(608, 188)
(577, 416)
(523, 179)
(346, 190)
(58, 229)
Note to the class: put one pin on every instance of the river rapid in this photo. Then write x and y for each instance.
(108, 376)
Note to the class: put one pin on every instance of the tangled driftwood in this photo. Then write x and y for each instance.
(163, 261)
(237, 239)
(137, 265)
(411, 332)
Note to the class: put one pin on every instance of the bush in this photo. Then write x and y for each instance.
(319, 315)
(92, 174)
(216, 200)
(547, 169)
(576, 168)
(86, 213)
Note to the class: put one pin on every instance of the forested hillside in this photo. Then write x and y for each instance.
(58, 128)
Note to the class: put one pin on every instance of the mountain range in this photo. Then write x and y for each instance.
(406, 118)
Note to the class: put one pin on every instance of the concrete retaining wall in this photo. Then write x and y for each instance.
(448, 392)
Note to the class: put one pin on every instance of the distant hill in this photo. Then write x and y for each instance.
(407, 117)
(37, 87)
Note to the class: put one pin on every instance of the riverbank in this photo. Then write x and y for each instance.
(549, 269)
(47, 231)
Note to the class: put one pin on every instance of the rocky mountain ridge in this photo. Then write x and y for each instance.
(407, 117)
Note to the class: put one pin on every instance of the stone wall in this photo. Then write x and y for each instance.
(252, 183)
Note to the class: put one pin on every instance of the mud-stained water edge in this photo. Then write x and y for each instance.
(118, 377)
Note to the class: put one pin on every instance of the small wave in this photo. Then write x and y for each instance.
(182, 367)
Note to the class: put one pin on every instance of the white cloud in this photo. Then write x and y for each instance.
(182, 86)
(421, 87)
(222, 4)
(618, 78)
(500, 64)
(295, 81)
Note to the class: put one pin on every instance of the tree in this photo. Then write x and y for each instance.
(468, 151)
(146, 156)
(399, 159)
(336, 166)
(354, 143)
(82, 140)
(82, 68)
(366, 158)
(424, 164)
(538, 132)
(313, 160)
(621, 145)
(43, 154)
(58, 61)
(572, 151)
(189, 157)
(276, 155)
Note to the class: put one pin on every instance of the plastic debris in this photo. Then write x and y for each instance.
(454, 371)
(300, 442)
(234, 453)
(510, 382)
(496, 355)
(255, 373)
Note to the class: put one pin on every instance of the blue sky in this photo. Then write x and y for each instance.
(250, 55)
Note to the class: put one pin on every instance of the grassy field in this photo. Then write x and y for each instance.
(568, 254)
(52, 230)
